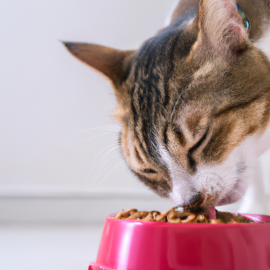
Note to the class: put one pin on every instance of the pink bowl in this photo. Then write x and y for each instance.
(138, 245)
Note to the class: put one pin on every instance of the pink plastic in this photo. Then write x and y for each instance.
(138, 245)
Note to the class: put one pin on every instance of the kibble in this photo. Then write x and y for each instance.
(188, 216)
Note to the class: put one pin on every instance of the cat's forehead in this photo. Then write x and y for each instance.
(172, 42)
(175, 72)
(151, 81)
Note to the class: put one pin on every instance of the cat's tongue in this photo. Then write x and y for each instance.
(211, 213)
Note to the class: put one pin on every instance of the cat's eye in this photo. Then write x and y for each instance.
(149, 171)
(244, 17)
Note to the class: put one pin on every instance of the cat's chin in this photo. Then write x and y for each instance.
(229, 199)
(235, 194)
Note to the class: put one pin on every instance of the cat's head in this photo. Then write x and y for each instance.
(189, 100)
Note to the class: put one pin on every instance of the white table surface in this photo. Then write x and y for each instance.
(51, 247)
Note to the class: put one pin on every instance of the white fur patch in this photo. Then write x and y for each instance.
(182, 189)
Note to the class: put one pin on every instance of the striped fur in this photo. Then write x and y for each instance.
(192, 99)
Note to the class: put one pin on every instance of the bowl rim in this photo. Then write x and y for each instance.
(166, 224)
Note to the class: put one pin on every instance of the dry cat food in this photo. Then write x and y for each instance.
(186, 216)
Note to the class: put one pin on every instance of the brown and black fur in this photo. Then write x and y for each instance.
(165, 102)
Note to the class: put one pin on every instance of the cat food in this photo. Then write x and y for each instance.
(186, 216)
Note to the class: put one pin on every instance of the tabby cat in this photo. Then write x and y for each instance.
(194, 100)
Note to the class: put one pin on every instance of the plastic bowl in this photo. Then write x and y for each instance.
(139, 245)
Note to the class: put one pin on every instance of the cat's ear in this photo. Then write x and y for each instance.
(111, 62)
(221, 28)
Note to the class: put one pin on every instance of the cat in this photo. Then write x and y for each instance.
(194, 100)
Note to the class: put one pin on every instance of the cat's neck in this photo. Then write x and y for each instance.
(264, 43)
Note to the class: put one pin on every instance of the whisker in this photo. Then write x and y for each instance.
(174, 107)
(114, 145)
(96, 136)
(240, 193)
(112, 131)
(109, 173)
(229, 169)
(95, 162)
(90, 129)
(108, 152)
(104, 164)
